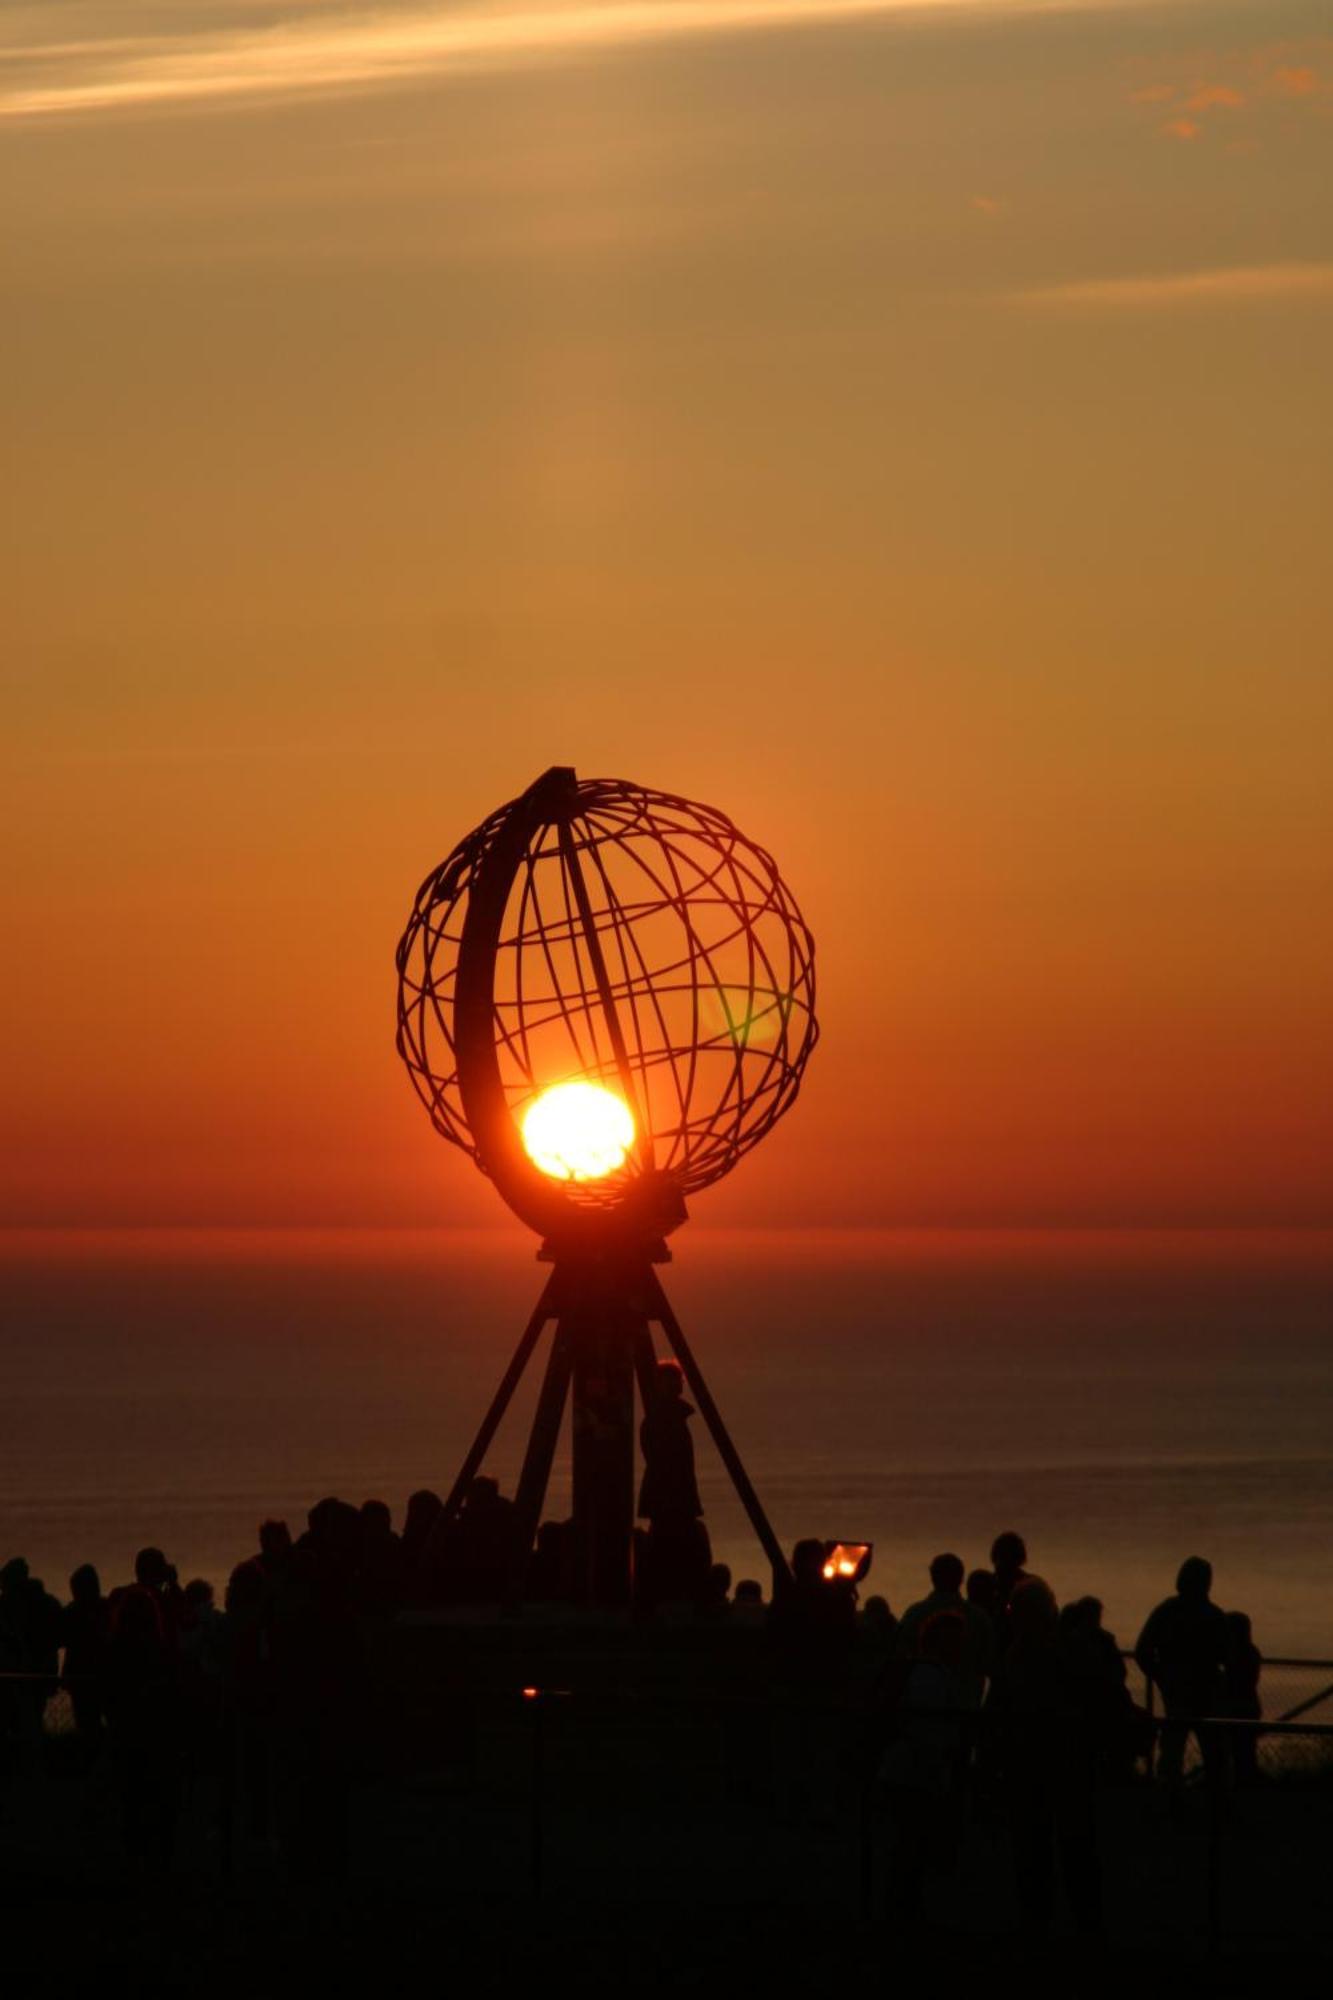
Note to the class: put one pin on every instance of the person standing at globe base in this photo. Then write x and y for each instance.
(677, 1552)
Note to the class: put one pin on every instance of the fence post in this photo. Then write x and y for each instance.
(537, 1798)
(1214, 1786)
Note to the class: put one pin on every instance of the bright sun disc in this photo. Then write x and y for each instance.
(577, 1132)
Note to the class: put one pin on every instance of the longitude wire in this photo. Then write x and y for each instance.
(541, 931)
(613, 913)
(649, 984)
(519, 1014)
(585, 995)
(686, 1095)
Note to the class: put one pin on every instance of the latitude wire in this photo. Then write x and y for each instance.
(651, 989)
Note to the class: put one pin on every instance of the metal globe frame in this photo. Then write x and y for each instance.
(597, 930)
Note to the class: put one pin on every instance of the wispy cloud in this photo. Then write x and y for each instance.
(323, 54)
(1229, 285)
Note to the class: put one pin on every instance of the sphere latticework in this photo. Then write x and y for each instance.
(644, 943)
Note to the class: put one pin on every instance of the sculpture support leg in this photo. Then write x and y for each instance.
(604, 1453)
(536, 1474)
(500, 1402)
(721, 1437)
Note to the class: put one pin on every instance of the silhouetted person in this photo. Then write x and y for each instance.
(946, 1595)
(154, 1574)
(1047, 1759)
(1181, 1649)
(980, 1591)
(549, 1572)
(319, 1696)
(1007, 1569)
(677, 1557)
(716, 1599)
(275, 1549)
(85, 1633)
(1241, 1667)
(747, 1602)
(29, 1645)
(812, 1628)
(381, 1559)
(1097, 1682)
(479, 1545)
(250, 1693)
(923, 1762)
(421, 1551)
(669, 1491)
(878, 1626)
(143, 1724)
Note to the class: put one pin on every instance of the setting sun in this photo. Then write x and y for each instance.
(577, 1132)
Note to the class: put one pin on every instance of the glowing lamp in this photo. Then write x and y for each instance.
(577, 1132)
(847, 1562)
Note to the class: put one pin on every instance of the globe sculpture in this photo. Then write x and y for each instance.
(606, 998)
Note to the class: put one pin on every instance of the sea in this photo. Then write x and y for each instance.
(1121, 1398)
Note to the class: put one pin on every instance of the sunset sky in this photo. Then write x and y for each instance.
(907, 426)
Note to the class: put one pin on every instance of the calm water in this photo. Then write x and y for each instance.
(1124, 1400)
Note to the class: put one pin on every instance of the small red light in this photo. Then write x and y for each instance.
(530, 1694)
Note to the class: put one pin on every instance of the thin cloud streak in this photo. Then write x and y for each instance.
(1244, 284)
(361, 51)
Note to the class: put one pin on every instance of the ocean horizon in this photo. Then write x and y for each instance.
(1123, 1398)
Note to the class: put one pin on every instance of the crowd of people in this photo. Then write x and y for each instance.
(983, 1687)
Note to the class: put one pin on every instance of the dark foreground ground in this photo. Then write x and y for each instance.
(627, 1837)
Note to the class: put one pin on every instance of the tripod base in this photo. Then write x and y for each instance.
(603, 1309)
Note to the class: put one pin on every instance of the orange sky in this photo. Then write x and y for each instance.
(908, 429)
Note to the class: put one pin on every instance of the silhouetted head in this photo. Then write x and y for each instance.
(1008, 1553)
(748, 1591)
(981, 1589)
(376, 1518)
(943, 1639)
(946, 1572)
(152, 1570)
(85, 1586)
(199, 1594)
(807, 1562)
(718, 1588)
(670, 1380)
(423, 1510)
(1239, 1628)
(14, 1577)
(137, 1616)
(876, 1616)
(275, 1540)
(1034, 1611)
(246, 1589)
(483, 1493)
(1195, 1577)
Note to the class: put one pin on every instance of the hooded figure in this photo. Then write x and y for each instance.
(669, 1493)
